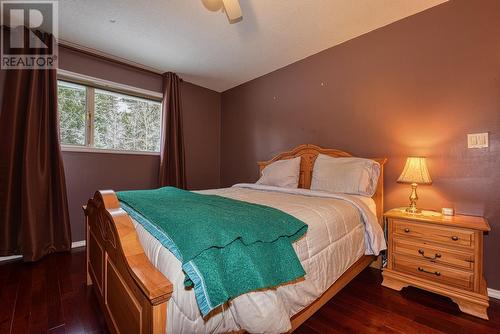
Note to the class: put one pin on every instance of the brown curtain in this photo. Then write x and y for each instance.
(172, 169)
(34, 218)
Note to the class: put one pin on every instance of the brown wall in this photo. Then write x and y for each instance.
(417, 86)
(87, 172)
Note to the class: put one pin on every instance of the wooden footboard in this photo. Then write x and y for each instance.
(132, 293)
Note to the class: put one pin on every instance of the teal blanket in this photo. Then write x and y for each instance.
(226, 247)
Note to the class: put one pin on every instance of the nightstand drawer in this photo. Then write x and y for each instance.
(434, 253)
(434, 272)
(441, 234)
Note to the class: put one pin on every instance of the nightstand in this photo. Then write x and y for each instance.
(442, 254)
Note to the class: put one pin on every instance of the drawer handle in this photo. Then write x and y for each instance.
(436, 256)
(454, 238)
(437, 273)
(407, 230)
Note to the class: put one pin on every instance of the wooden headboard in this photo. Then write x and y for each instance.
(309, 152)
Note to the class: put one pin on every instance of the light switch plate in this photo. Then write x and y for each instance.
(477, 140)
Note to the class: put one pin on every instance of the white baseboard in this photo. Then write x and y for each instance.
(8, 258)
(494, 293)
(75, 244)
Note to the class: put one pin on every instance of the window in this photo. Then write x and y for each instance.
(72, 113)
(101, 119)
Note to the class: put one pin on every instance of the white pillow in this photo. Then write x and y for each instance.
(345, 175)
(281, 173)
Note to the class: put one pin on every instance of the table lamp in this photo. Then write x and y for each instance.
(415, 173)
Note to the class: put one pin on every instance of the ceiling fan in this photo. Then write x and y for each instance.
(231, 7)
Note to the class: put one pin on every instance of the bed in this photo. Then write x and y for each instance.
(135, 278)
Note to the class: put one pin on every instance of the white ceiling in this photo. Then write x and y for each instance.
(202, 47)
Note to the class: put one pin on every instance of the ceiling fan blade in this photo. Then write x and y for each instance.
(233, 10)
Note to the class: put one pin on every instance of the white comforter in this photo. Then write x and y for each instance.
(341, 228)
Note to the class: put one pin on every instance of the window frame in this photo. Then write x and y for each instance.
(91, 84)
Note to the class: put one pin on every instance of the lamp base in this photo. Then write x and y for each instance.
(413, 210)
(413, 200)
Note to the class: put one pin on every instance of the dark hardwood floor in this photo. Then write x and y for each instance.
(50, 296)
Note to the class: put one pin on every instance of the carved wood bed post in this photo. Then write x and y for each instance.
(132, 293)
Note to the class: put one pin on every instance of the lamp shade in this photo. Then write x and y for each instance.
(415, 171)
